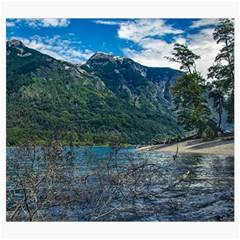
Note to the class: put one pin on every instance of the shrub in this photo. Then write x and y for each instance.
(208, 134)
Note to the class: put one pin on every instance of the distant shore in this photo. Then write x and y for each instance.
(219, 146)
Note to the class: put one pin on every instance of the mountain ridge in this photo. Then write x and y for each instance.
(107, 97)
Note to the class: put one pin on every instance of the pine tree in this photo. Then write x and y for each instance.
(216, 90)
(189, 104)
(223, 69)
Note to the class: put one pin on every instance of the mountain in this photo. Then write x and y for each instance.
(107, 98)
(130, 80)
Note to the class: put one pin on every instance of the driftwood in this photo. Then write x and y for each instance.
(157, 142)
(174, 140)
(191, 137)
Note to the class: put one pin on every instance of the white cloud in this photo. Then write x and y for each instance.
(148, 57)
(10, 24)
(204, 22)
(202, 44)
(106, 22)
(155, 44)
(55, 22)
(153, 53)
(41, 22)
(138, 29)
(180, 40)
(58, 48)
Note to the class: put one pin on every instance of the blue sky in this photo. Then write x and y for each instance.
(146, 41)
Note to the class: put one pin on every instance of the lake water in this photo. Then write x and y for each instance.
(144, 186)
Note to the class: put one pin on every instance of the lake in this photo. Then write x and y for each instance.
(118, 184)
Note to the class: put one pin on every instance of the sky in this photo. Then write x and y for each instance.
(147, 40)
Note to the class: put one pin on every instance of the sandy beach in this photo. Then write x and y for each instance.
(219, 146)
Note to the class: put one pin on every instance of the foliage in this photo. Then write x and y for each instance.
(189, 104)
(223, 69)
(94, 104)
(208, 134)
(216, 92)
(185, 57)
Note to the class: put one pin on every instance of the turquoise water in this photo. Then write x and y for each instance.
(161, 193)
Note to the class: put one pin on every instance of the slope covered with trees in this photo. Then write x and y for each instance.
(108, 98)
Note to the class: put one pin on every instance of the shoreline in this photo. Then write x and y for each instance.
(218, 146)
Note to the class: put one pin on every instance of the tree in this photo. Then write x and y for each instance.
(189, 103)
(185, 57)
(223, 69)
(216, 93)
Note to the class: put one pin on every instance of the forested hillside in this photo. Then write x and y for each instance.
(107, 98)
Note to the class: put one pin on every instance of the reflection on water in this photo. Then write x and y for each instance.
(193, 187)
(210, 194)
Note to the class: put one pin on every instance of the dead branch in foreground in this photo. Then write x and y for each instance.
(54, 183)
